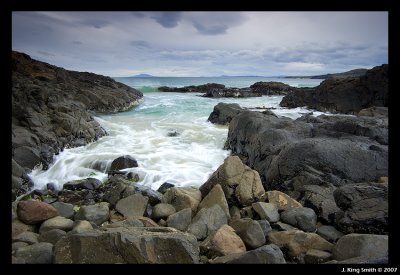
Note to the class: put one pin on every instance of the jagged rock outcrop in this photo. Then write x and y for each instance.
(271, 88)
(213, 90)
(51, 110)
(344, 95)
(310, 157)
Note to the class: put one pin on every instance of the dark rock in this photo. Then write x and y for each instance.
(133, 245)
(365, 207)
(346, 95)
(164, 187)
(89, 183)
(33, 212)
(154, 196)
(26, 156)
(356, 245)
(123, 162)
(224, 112)
(97, 213)
(265, 226)
(249, 231)
(280, 226)
(39, 253)
(206, 221)
(329, 233)
(247, 212)
(215, 196)
(271, 88)
(51, 186)
(71, 197)
(181, 219)
(303, 218)
(65, 210)
(134, 205)
(16, 245)
(162, 210)
(26, 237)
(304, 157)
(314, 256)
(113, 189)
(50, 108)
(17, 227)
(267, 254)
(52, 236)
(266, 211)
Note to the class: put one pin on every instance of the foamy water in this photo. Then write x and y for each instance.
(187, 159)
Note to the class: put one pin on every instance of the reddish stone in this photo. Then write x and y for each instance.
(32, 212)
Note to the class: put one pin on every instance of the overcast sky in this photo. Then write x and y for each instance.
(204, 43)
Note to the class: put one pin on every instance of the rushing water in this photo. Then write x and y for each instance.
(187, 159)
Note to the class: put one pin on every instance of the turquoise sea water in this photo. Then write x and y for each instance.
(187, 159)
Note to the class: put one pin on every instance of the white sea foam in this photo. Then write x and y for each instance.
(187, 159)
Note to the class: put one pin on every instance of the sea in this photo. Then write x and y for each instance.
(168, 134)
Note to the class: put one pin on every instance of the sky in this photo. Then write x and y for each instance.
(204, 43)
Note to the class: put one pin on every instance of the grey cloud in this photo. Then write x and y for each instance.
(76, 42)
(167, 19)
(140, 44)
(210, 30)
(138, 14)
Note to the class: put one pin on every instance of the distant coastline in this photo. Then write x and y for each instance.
(351, 73)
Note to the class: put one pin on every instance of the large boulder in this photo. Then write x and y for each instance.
(206, 221)
(162, 211)
(224, 112)
(267, 254)
(267, 211)
(249, 231)
(271, 88)
(27, 237)
(33, 212)
(216, 196)
(134, 205)
(65, 210)
(181, 219)
(296, 243)
(303, 218)
(365, 208)
(241, 185)
(133, 245)
(123, 162)
(305, 157)
(361, 245)
(345, 95)
(182, 197)
(52, 236)
(56, 223)
(97, 213)
(222, 242)
(38, 253)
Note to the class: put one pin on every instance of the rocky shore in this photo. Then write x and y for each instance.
(51, 110)
(231, 218)
(344, 95)
(312, 190)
